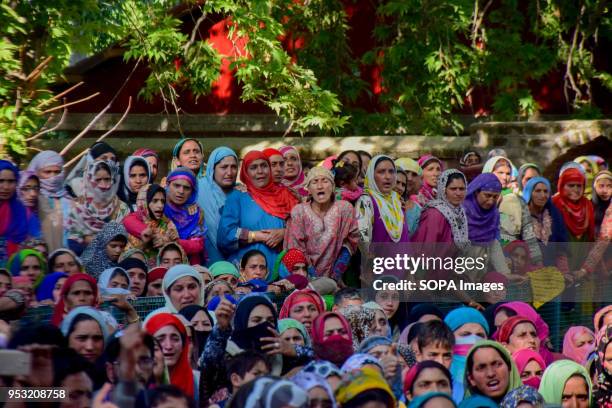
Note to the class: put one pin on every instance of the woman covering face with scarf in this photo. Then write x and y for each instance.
(54, 203)
(97, 206)
(331, 338)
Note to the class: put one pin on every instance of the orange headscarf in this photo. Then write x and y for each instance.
(181, 375)
(274, 199)
(579, 216)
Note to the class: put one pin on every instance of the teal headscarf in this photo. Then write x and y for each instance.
(211, 197)
(288, 323)
(223, 268)
(421, 400)
(175, 153)
(478, 401)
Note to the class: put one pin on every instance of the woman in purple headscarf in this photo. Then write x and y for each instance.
(483, 223)
(13, 224)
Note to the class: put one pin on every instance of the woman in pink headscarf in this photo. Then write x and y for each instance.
(578, 344)
(294, 174)
(530, 366)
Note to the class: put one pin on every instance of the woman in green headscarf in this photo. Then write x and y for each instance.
(29, 263)
(515, 218)
(591, 168)
(566, 380)
(490, 371)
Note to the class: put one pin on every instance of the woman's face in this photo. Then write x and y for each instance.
(29, 192)
(321, 189)
(503, 173)
(179, 191)
(524, 336)
(438, 402)
(587, 167)
(260, 314)
(114, 249)
(380, 325)
(400, 183)
(500, 317)
(103, 180)
(431, 173)
(573, 190)
(455, 192)
(293, 337)
(184, 291)
(528, 175)
(472, 160)
(277, 168)
(540, 195)
(5, 284)
(305, 313)
(353, 159)
(334, 326)
(190, 156)
(430, 380)
(171, 344)
(575, 393)
(318, 397)
(156, 206)
(138, 277)
(226, 172)
(487, 199)
(200, 322)
(519, 259)
(8, 184)
(413, 182)
(292, 164)
(532, 369)
(137, 177)
(384, 176)
(66, 263)
(603, 188)
(153, 165)
(48, 172)
(255, 268)
(30, 267)
(231, 279)
(471, 329)
(80, 294)
(489, 374)
(57, 289)
(87, 340)
(171, 257)
(389, 301)
(155, 288)
(259, 173)
(118, 281)
(219, 290)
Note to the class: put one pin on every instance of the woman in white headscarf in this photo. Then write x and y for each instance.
(54, 203)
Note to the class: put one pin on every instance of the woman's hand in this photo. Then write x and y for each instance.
(275, 237)
(276, 345)
(225, 313)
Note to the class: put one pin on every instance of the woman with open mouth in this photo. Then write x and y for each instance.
(490, 371)
(255, 219)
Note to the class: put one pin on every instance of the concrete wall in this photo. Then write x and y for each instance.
(541, 141)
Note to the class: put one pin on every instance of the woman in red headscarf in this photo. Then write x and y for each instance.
(255, 219)
(171, 334)
(579, 217)
(79, 289)
(304, 306)
(331, 338)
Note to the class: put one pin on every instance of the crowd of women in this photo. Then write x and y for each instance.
(258, 260)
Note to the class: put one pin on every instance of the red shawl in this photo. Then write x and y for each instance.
(579, 216)
(181, 375)
(274, 199)
(318, 326)
(60, 307)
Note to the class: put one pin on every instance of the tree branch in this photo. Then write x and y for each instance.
(44, 132)
(59, 95)
(55, 108)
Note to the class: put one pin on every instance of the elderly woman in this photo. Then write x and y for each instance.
(515, 219)
(324, 229)
(54, 202)
(255, 219)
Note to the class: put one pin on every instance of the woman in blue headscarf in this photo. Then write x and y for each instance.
(181, 208)
(433, 399)
(13, 220)
(213, 188)
(48, 292)
(548, 225)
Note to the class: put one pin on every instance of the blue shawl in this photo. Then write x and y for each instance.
(187, 217)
